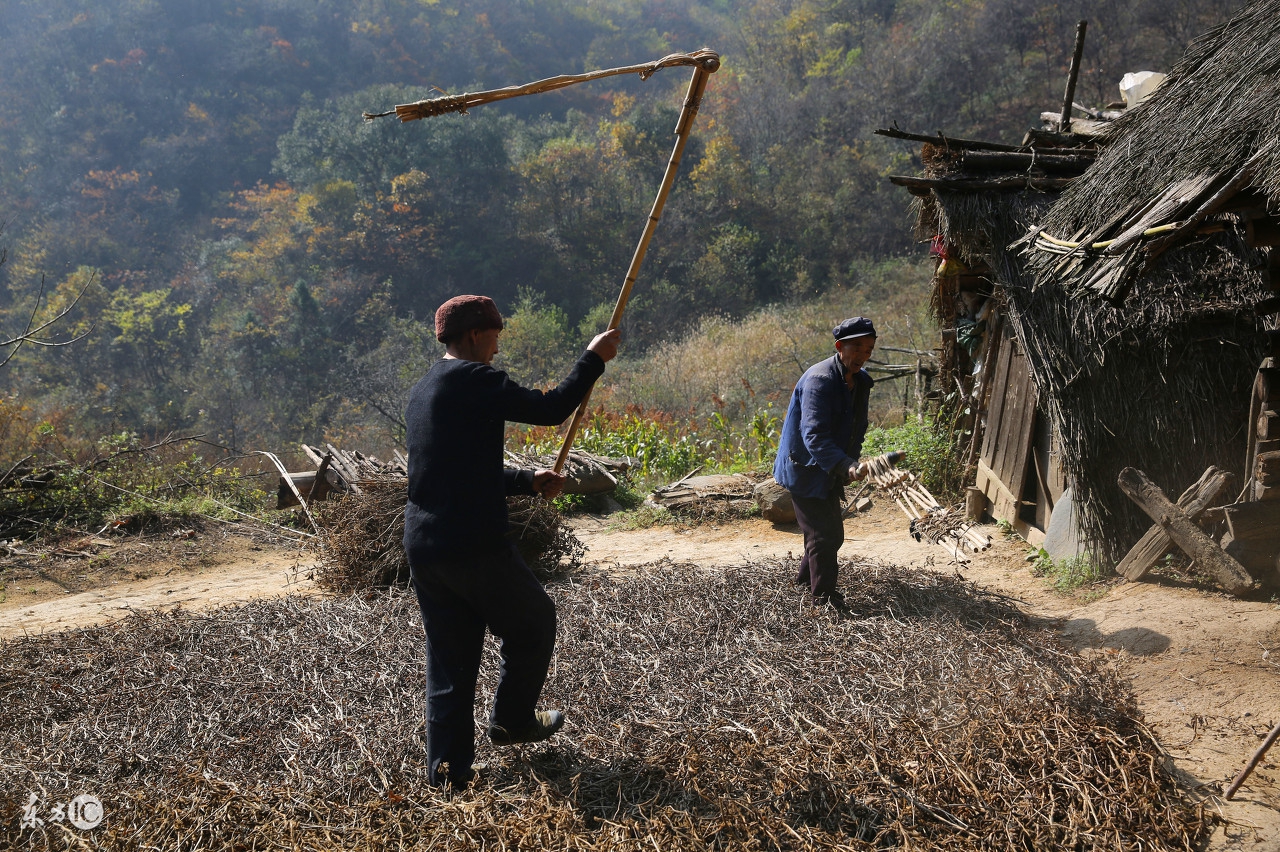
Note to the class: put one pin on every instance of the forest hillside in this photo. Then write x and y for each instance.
(255, 262)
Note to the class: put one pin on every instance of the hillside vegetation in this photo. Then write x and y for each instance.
(260, 265)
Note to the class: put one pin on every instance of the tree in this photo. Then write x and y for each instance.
(34, 328)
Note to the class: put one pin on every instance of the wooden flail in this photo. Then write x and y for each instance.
(948, 529)
(704, 62)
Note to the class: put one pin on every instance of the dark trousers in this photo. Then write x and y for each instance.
(823, 527)
(459, 599)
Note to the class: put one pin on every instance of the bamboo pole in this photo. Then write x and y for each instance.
(461, 103)
(707, 65)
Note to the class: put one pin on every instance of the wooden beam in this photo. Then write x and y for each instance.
(1207, 492)
(1074, 163)
(960, 184)
(945, 141)
(1266, 385)
(1269, 425)
(1064, 123)
(1183, 531)
(320, 485)
(1267, 469)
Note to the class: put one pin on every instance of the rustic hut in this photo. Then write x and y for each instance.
(1140, 297)
(974, 199)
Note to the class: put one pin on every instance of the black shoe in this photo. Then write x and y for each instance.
(545, 723)
(835, 600)
(456, 781)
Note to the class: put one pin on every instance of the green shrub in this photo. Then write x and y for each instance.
(929, 446)
(123, 482)
(662, 448)
(1070, 572)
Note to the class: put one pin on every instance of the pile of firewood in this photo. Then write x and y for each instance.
(361, 534)
(948, 529)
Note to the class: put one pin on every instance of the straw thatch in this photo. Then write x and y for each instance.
(1218, 109)
(1161, 383)
(362, 538)
(707, 710)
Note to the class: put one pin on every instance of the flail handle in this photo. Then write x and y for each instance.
(697, 85)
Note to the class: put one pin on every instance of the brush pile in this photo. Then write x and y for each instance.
(707, 710)
(363, 537)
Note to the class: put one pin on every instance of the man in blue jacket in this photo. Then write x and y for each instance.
(820, 448)
(465, 570)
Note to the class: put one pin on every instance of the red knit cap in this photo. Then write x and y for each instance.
(463, 313)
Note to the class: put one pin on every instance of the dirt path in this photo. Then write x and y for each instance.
(1201, 663)
(61, 592)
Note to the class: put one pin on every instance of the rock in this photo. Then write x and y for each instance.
(703, 490)
(1063, 539)
(775, 502)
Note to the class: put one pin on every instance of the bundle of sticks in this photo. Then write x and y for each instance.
(946, 528)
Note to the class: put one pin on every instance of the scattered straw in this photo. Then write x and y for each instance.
(707, 710)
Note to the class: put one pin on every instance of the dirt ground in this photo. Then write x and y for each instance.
(1205, 666)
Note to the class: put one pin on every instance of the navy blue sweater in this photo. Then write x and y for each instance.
(456, 420)
(823, 433)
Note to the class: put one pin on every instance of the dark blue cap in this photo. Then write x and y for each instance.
(854, 327)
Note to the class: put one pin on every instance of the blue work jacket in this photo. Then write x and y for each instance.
(822, 435)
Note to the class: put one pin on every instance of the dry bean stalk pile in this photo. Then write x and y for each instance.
(362, 537)
(707, 710)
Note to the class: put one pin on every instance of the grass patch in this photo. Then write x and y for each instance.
(643, 517)
(1070, 573)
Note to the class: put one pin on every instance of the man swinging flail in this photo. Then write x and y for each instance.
(468, 577)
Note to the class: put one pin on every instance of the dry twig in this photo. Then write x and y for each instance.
(708, 710)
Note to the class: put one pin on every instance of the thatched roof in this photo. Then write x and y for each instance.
(1204, 143)
(1156, 374)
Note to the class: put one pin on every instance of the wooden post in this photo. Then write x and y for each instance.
(1064, 125)
(697, 85)
(320, 485)
(1183, 531)
(1205, 493)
